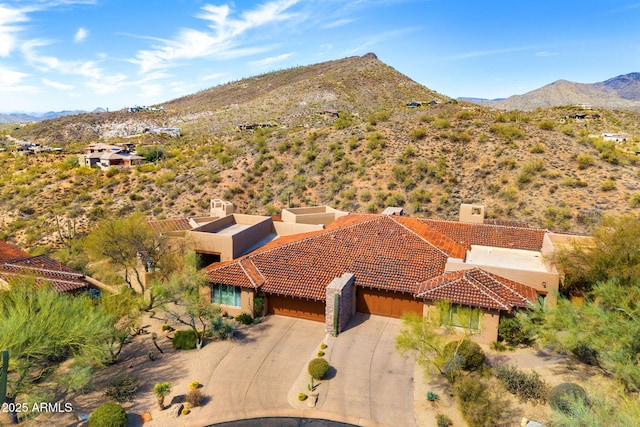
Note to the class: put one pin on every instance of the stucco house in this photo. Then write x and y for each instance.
(390, 264)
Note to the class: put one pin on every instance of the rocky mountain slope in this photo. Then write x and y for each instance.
(337, 133)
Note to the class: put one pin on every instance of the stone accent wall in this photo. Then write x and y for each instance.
(344, 287)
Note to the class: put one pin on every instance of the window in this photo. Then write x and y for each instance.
(225, 295)
(460, 316)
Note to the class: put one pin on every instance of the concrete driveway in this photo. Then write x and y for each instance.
(372, 380)
(260, 373)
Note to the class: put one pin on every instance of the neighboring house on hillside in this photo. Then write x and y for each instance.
(14, 262)
(615, 137)
(388, 265)
(105, 155)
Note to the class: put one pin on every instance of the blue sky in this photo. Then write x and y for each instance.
(84, 54)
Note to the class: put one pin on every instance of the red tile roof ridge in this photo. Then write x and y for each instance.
(13, 267)
(460, 250)
(468, 275)
(528, 228)
(253, 269)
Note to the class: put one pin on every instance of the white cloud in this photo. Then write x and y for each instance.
(57, 85)
(338, 23)
(9, 18)
(51, 63)
(545, 53)
(222, 42)
(81, 35)
(268, 61)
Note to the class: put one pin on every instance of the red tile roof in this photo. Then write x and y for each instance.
(499, 236)
(477, 288)
(9, 252)
(383, 252)
(15, 262)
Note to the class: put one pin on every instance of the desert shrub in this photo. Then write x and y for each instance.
(185, 411)
(508, 132)
(318, 368)
(564, 395)
(547, 125)
(528, 386)
(432, 397)
(166, 327)
(222, 329)
(194, 385)
(302, 397)
(498, 346)
(122, 388)
(608, 185)
(194, 398)
(108, 415)
(320, 353)
(418, 133)
(478, 404)
(443, 421)
(468, 355)
(323, 346)
(584, 161)
(184, 340)
(510, 331)
(537, 148)
(586, 354)
(244, 318)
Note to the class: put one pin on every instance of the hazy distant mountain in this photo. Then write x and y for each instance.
(38, 117)
(622, 92)
(483, 101)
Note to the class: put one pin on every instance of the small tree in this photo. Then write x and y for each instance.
(161, 390)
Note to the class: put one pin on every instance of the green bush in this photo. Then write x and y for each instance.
(302, 396)
(564, 395)
(184, 340)
(586, 354)
(510, 331)
(122, 388)
(108, 415)
(244, 318)
(318, 368)
(528, 386)
(258, 306)
(468, 355)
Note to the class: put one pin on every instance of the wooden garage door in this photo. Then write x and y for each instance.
(295, 307)
(386, 303)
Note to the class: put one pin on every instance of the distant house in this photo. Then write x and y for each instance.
(105, 155)
(615, 137)
(16, 263)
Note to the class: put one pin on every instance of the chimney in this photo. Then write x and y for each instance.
(472, 213)
(220, 208)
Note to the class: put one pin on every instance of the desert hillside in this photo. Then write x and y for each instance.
(542, 167)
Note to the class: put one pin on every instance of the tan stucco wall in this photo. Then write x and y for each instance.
(489, 321)
(313, 215)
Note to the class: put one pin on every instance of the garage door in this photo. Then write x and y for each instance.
(386, 303)
(295, 307)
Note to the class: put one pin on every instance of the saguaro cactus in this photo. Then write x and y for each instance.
(3, 376)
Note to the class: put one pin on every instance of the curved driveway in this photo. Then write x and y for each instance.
(372, 385)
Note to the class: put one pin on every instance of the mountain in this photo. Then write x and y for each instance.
(353, 133)
(36, 117)
(622, 92)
